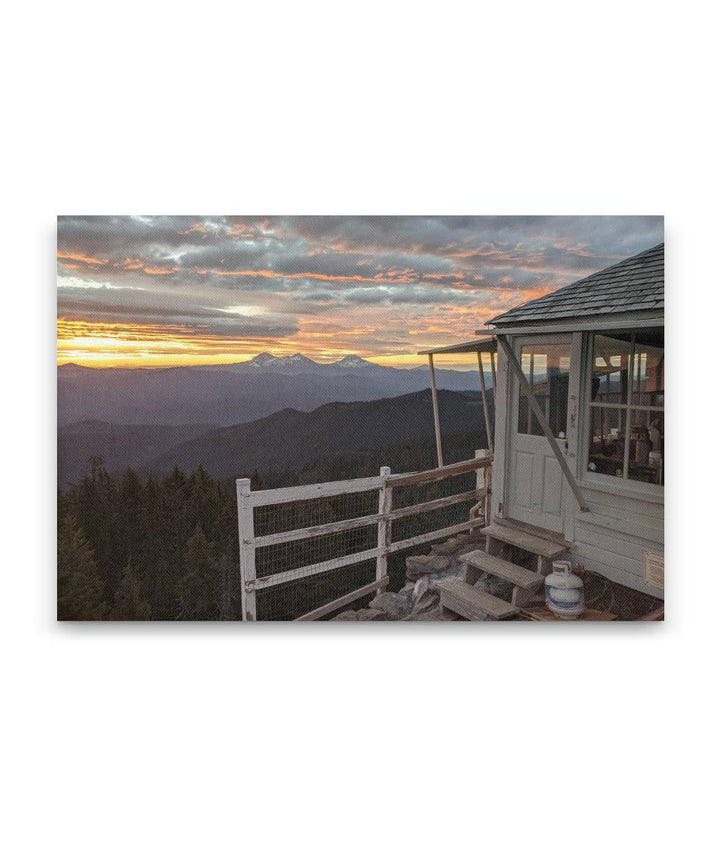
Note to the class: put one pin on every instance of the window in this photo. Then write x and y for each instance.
(627, 401)
(547, 369)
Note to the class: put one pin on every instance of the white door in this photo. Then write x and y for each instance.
(535, 480)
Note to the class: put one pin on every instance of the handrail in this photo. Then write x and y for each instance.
(384, 483)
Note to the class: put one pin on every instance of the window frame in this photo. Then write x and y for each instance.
(621, 485)
(539, 341)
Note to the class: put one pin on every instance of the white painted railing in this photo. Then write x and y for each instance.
(384, 483)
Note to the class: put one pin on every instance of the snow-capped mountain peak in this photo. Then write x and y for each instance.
(353, 361)
(262, 360)
(269, 361)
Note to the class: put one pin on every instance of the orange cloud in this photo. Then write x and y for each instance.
(78, 257)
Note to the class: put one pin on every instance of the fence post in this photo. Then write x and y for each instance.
(384, 526)
(246, 533)
(483, 483)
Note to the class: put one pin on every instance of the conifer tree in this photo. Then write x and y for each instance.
(228, 605)
(129, 604)
(257, 482)
(199, 588)
(79, 588)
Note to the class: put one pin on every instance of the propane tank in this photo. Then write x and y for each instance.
(564, 592)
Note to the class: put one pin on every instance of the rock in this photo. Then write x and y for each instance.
(407, 590)
(444, 549)
(348, 615)
(394, 605)
(418, 566)
(453, 572)
(494, 586)
(421, 586)
(371, 615)
(433, 614)
(427, 601)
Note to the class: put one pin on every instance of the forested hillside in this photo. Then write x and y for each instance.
(165, 548)
(277, 445)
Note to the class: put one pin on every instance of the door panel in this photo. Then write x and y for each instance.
(536, 484)
(552, 486)
(523, 479)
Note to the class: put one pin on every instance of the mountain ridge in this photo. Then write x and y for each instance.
(234, 393)
(283, 442)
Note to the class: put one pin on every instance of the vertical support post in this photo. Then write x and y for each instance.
(436, 414)
(493, 355)
(246, 534)
(384, 526)
(483, 482)
(488, 429)
(630, 373)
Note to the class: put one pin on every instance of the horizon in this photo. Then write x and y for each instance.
(470, 368)
(147, 291)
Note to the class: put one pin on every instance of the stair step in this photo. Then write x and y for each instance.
(521, 526)
(525, 541)
(521, 577)
(472, 603)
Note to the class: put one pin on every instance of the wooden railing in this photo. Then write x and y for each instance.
(384, 483)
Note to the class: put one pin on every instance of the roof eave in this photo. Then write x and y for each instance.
(608, 321)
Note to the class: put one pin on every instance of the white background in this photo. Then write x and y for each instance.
(373, 739)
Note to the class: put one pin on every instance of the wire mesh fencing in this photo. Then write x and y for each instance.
(309, 551)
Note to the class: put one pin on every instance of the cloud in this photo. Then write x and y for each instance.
(396, 273)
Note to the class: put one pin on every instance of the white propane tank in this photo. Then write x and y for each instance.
(564, 592)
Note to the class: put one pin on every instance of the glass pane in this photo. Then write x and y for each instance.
(647, 446)
(610, 362)
(547, 369)
(607, 441)
(649, 368)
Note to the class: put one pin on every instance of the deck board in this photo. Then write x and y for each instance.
(472, 603)
(525, 541)
(498, 567)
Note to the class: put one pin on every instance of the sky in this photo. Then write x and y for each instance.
(197, 290)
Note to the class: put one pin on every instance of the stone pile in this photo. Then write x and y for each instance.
(419, 599)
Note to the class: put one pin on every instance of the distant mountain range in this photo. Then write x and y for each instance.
(235, 393)
(284, 441)
(299, 363)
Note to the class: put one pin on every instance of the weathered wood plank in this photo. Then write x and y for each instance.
(433, 536)
(384, 525)
(344, 600)
(432, 504)
(542, 613)
(472, 603)
(314, 531)
(483, 485)
(488, 428)
(521, 577)
(436, 415)
(440, 472)
(521, 526)
(246, 524)
(318, 568)
(314, 491)
(525, 541)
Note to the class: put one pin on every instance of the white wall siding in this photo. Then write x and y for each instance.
(613, 538)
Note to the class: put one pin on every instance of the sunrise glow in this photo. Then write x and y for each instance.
(171, 291)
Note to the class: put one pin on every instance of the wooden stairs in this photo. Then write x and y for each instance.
(503, 541)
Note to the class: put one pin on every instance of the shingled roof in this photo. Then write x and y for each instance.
(636, 284)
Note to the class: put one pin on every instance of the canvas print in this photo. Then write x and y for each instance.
(360, 419)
